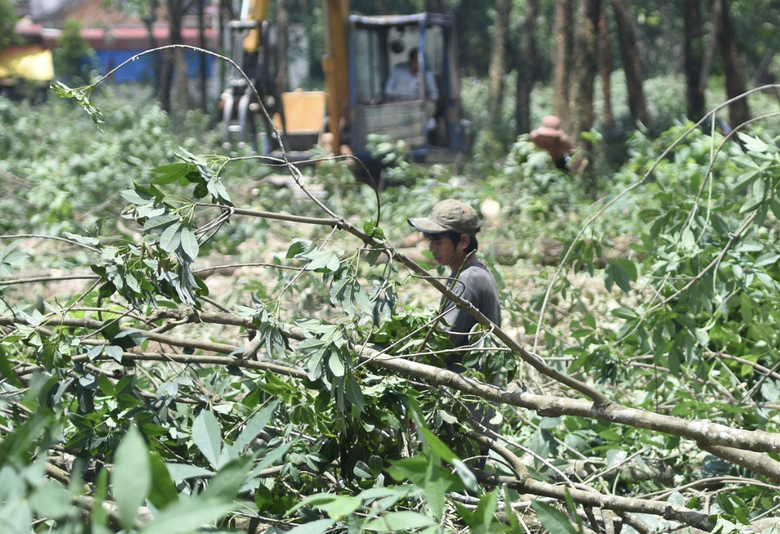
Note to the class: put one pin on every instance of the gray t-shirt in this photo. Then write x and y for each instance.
(476, 285)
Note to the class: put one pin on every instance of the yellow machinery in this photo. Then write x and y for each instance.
(298, 116)
(31, 63)
(361, 54)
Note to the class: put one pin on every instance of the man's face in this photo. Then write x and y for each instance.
(445, 252)
(414, 65)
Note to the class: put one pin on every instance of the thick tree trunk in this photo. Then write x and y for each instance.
(631, 63)
(182, 85)
(527, 63)
(709, 52)
(585, 66)
(584, 73)
(693, 54)
(282, 67)
(166, 79)
(148, 18)
(562, 61)
(606, 66)
(739, 112)
(175, 13)
(497, 70)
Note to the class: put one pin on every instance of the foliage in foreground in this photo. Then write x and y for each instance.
(307, 394)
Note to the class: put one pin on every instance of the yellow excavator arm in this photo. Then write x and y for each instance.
(335, 65)
(256, 10)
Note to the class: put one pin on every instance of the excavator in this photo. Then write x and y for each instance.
(360, 55)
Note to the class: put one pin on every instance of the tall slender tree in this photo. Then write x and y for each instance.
(585, 67)
(176, 12)
(562, 32)
(631, 62)
(606, 65)
(527, 66)
(739, 111)
(497, 70)
(583, 75)
(693, 56)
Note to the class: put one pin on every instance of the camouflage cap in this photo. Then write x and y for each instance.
(448, 215)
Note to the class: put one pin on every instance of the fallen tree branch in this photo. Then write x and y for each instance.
(701, 431)
(590, 497)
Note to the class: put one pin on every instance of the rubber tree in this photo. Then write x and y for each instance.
(527, 67)
(497, 70)
(632, 65)
(562, 57)
(693, 55)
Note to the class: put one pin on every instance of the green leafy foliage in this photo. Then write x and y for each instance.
(340, 418)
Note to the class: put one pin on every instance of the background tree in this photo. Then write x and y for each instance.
(585, 66)
(174, 60)
(498, 55)
(693, 56)
(562, 62)
(8, 20)
(527, 67)
(605, 66)
(73, 58)
(739, 111)
(631, 62)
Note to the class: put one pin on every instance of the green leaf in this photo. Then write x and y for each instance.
(114, 352)
(362, 470)
(298, 246)
(50, 500)
(343, 506)
(207, 436)
(272, 457)
(254, 426)
(185, 471)
(621, 277)
(189, 243)
(317, 500)
(400, 521)
(187, 515)
(553, 519)
(226, 483)
(625, 313)
(6, 371)
(437, 446)
(466, 475)
(766, 259)
(156, 225)
(313, 527)
(335, 364)
(171, 237)
(16, 517)
(131, 477)
(435, 487)
(163, 491)
(170, 173)
(354, 394)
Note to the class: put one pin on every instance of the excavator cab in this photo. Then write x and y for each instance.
(430, 124)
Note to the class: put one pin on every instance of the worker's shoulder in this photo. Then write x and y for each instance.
(477, 272)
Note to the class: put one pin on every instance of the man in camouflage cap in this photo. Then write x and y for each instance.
(451, 229)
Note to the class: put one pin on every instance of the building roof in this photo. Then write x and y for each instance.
(118, 37)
